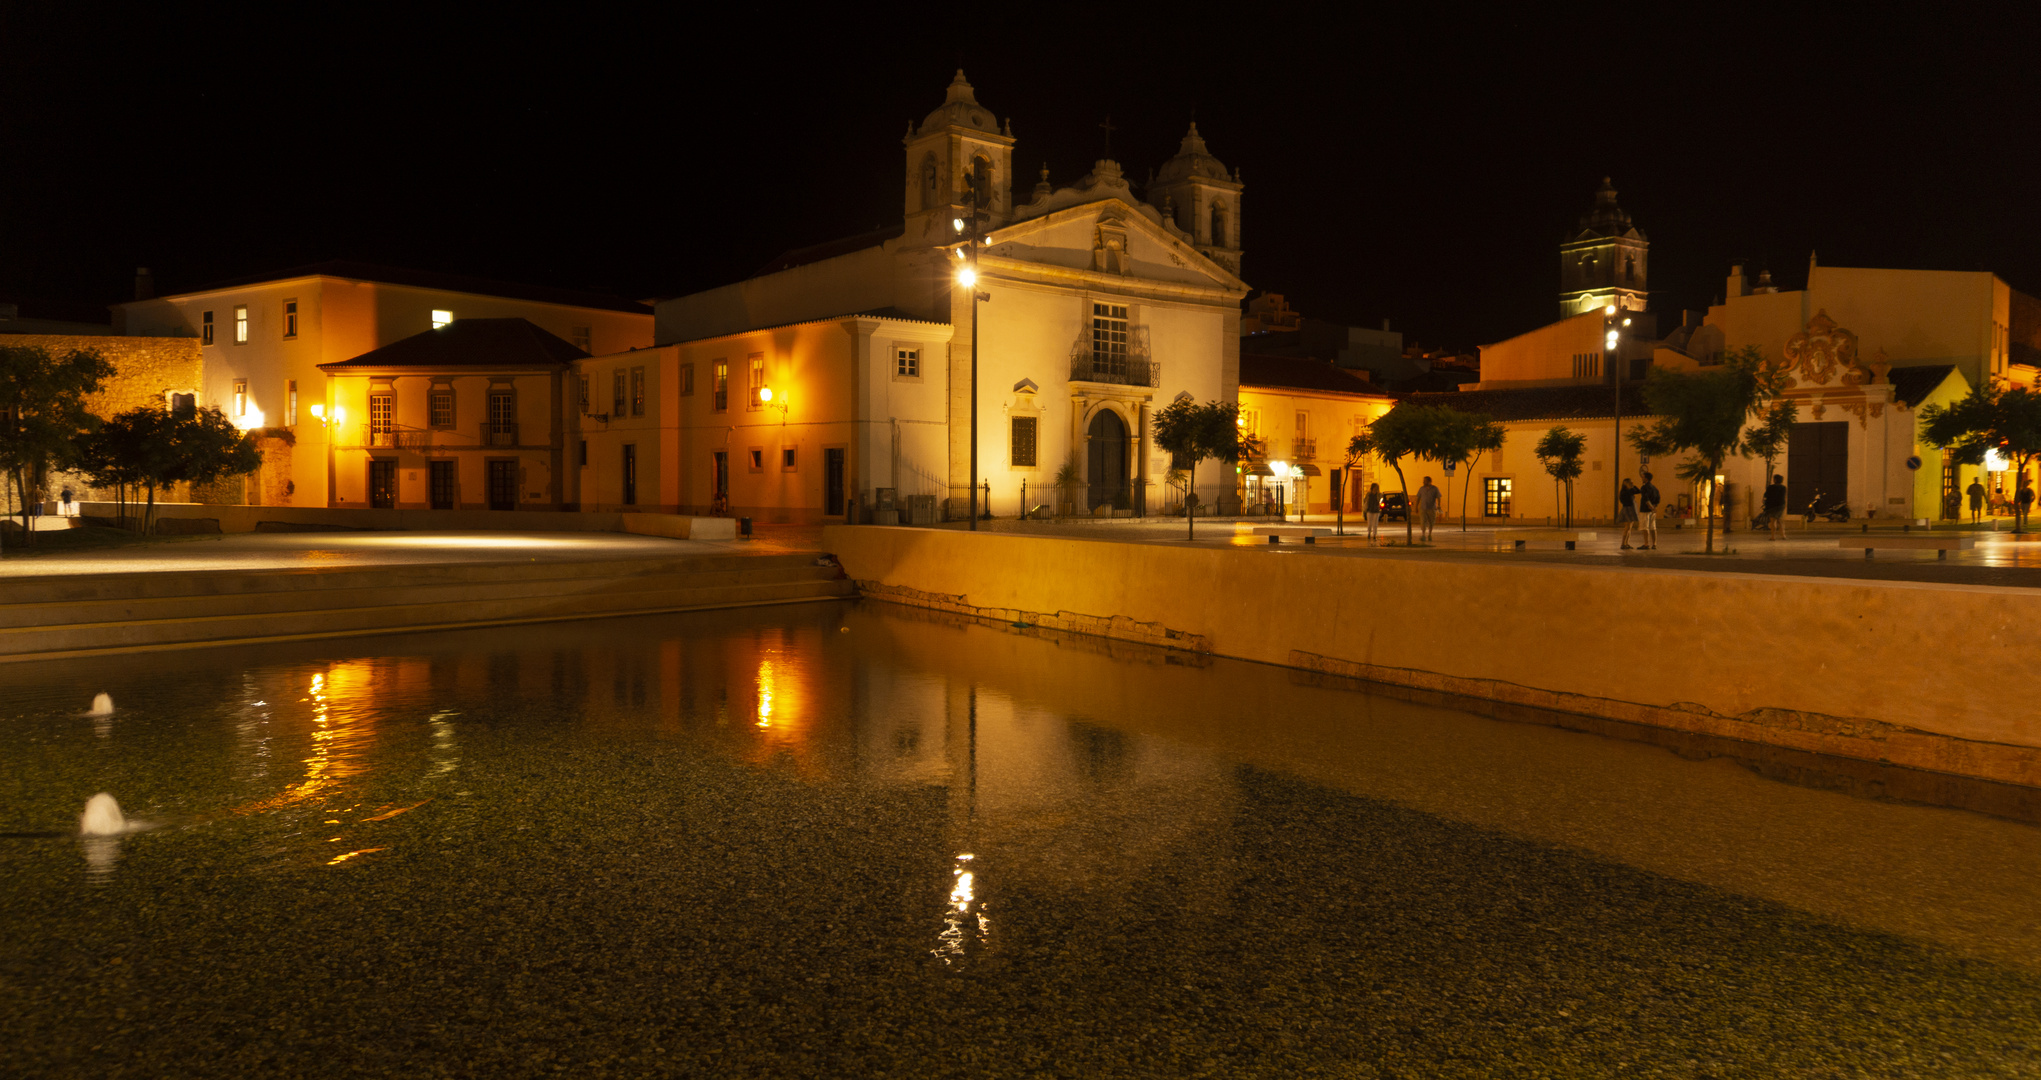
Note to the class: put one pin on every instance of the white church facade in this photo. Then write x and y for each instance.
(838, 379)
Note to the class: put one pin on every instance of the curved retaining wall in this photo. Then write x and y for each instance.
(1940, 677)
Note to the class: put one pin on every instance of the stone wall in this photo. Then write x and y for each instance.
(144, 370)
(1847, 667)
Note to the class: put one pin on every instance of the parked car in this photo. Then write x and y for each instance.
(1394, 506)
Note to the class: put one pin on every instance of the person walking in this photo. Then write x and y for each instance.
(2023, 501)
(66, 504)
(1775, 506)
(1647, 513)
(1976, 493)
(1427, 507)
(1372, 508)
(1626, 509)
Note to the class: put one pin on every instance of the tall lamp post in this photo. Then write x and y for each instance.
(971, 231)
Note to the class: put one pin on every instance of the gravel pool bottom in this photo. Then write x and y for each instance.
(853, 840)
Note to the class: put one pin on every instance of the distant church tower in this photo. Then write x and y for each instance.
(1603, 261)
(1195, 189)
(960, 138)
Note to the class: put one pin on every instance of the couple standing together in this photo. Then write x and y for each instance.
(1639, 511)
(1427, 499)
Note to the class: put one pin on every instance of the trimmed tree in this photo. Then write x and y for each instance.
(151, 448)
(1192, 432)
(1704, 413)
(43, 415)
(1461, 437)
(1989, 418)
(1402, 432)
(1560, 452)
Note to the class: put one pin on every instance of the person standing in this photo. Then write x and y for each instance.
(1775, 505)
(1647, 514)
(2023, 501)
(67, 505)
(1626, 509)
(1372, 508)
(1976, 493)
(1427, 507)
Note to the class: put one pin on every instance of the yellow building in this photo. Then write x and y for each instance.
(469, 416)
(1304, 412)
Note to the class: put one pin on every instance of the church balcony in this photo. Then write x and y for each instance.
(1117, 369)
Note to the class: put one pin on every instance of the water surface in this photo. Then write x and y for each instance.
(856, 840)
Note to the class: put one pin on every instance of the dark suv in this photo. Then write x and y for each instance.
(1395, 507)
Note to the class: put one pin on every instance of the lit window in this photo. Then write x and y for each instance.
(382, 410)
(617, 390)
(1109, 339)
(205, 328)
(290, 408)
(582, 339)
(441, 406)
(637, 391)
(687, 380)
(241, 325)
(441, 318)
(1024, 430)
(787, 459)
(290, 319)
(907, 362)
(757, 379)
(1495, 496)
(240, 397)
(722, 385)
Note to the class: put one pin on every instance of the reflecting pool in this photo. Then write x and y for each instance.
(860, 840)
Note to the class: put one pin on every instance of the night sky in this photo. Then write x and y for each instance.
(1419, 166)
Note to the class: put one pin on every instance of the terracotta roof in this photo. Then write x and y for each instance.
(818, 252)
(1913, 384)
(1301, 373)
(1541, 402)
(426, 279)
(470, 343)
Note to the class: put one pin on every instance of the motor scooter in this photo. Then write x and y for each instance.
(1832, 511)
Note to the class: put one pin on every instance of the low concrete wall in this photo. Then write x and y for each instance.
(1940, 677)
(241, 519)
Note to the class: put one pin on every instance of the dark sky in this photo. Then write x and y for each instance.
(1418, 165)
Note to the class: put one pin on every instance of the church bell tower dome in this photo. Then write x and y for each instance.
(957, 142)
(1603, 260)
(1203, 198)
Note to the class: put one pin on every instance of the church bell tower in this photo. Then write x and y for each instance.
(959, 139)
(1195, 189)
(1602, 262)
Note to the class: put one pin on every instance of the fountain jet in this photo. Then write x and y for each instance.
(102, 705)
(102, 817)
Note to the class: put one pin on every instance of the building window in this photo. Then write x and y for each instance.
(584, 453)
(1495, 496)
(584, 395)
(757, 457)
(502, 418)
(787, 458)
(240, 397)
(617, 390)
(205, 328)
(630, 474)
(441, 318)
(290, 319)
(687, 380)
(757, 380)
(582, 339)
(290, 406)
(442, 407)
(1109, 339)
(241, 325)
(382, 411)
(722, 385)
(1250, 421)
(1023, 442)
(185, 405)
(907, 362)
(637, 391)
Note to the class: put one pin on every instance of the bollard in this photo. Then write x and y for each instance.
(744, 528)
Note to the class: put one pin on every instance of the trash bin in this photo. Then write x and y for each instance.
(744, 528)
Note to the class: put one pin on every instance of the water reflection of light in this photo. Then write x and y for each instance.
(766, 685)
(961, 925)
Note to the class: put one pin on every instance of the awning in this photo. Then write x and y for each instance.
(1304, 470)
(1260, 470)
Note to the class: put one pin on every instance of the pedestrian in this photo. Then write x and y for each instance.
(66, 507)
(2023, 501)
(1427, 506)
(1626, 509)
(1775, 505)
(1372, 507)
(1976, 493)
(1647, 513)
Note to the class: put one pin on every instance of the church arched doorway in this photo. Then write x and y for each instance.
(1106, 455)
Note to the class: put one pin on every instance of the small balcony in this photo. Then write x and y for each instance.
(500, 434)
(394, 437)
(1120, 370)
(1303, 450)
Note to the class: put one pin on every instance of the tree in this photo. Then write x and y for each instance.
(151, 448)
(1704, 412)
(43, 414)
(1768, 440)
(1392, 437)
(1192, 432)
(1989, 418)
(1560, 452)
(1461, 437)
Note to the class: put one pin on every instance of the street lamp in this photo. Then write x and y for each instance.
(765, 398)
(971, 235)
(1611, 337)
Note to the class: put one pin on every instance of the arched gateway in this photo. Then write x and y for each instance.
(1106, 456)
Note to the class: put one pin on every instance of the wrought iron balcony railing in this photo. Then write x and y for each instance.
(1304, 450)
(501, 434)
(1117, 368)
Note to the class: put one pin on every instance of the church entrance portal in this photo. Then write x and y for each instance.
(1818, 459)
(1107, 455)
